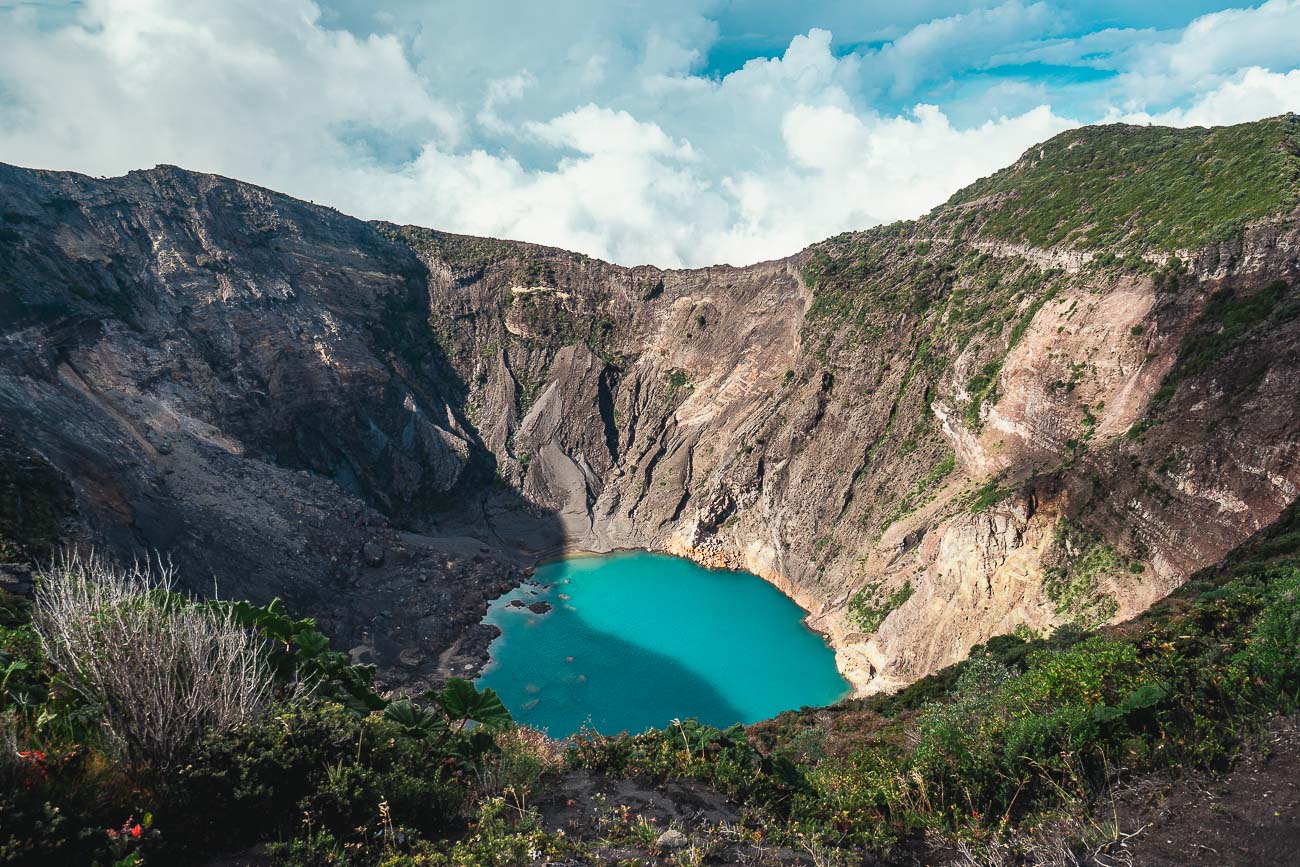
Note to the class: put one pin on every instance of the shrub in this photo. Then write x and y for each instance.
(923, 492)
(1074, 583)
(160, 669)
(316, 760)
(1227, 323)
(500, 836)
(987, 496)
(869, 606)
(979, 387)
(515, 768)
(723, 757)
(299, 655)
(1126, 188)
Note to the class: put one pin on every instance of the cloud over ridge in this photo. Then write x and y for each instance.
(615, 129)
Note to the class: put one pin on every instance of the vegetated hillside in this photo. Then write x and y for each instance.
(1047, 402)
(925, 433)
(1134, 189)
(1014, 756)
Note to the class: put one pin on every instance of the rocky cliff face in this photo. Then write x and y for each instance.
(997, 417)
(244, 383)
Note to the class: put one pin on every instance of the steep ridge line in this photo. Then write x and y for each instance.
(1052, 434)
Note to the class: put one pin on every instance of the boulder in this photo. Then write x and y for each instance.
(373, 554)
(670, 840)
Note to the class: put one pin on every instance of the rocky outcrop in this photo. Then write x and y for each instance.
(383, 423)
(241, 382)
(830, 454)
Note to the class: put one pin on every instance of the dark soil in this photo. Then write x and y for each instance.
(1245, 817)
(580, 795)
(585, 806)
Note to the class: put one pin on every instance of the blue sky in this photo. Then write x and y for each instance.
(675, 132)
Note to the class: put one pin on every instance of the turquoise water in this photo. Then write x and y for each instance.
(636, 639)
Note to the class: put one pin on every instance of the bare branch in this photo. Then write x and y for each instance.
(161, 668)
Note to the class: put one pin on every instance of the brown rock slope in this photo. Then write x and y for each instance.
(1049, 400)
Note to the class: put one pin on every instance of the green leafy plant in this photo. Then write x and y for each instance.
(464, 703)
(869, 607)
(451, 710)
(298, 652)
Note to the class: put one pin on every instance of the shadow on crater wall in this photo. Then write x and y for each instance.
(249, 385)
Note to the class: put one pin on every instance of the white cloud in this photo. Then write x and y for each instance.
(851, 172)
(963, 41)
(1211, 50)
(1251, 94)
(1267, 36)
(594, 131)
(245, 87)
(590, 125)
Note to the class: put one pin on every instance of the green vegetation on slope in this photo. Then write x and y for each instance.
(983, 385)
(1228, 321)
(988, 495)
(866, 280)
(924, 491)
(100, 765)
(1125, 187)
(461, 251)
(945, 303)
(871, 605)
(1023, 734)
(1073, 584)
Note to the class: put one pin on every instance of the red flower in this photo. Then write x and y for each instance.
(136, 831)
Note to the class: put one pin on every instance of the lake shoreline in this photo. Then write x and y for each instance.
(655, 620)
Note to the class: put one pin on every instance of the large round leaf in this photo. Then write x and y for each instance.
(462, 701)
